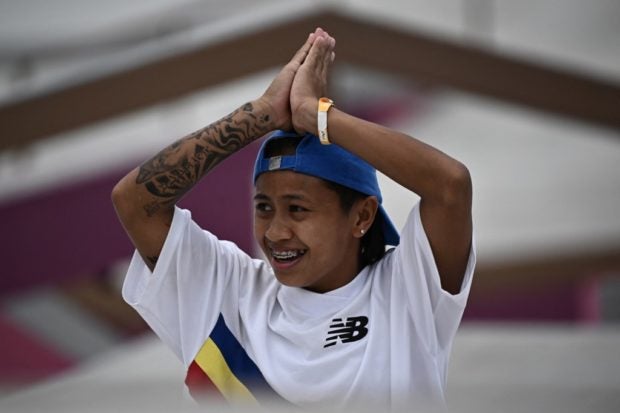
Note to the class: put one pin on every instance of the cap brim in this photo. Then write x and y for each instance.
(390, 234)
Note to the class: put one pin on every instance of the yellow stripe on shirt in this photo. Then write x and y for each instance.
(212, 362)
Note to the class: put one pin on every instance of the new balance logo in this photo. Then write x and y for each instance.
(353, 329)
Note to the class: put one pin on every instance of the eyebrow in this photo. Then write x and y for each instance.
(293, 197)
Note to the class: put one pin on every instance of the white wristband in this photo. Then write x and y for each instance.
(324, 105)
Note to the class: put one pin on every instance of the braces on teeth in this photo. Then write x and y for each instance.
(286, 254)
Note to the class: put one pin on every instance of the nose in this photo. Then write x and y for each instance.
(278, 230)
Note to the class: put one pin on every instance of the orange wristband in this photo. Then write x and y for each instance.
(324, 105)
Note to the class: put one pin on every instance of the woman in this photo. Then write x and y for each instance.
(331, 319)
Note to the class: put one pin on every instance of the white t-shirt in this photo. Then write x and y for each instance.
(383, 339)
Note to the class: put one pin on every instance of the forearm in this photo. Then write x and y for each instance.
(144, 199)
(419, 167)
(413, 164)
(164, 179)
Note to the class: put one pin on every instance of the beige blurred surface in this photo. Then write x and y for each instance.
(494, 368)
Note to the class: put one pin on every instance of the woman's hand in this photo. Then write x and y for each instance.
(310, 82)
(277, 95)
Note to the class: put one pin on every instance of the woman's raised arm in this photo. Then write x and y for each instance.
(144, 199)
(443, 183)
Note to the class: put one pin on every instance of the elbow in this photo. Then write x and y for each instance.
(117, 195)
(121, 200)
(457, 190)
(133, 204)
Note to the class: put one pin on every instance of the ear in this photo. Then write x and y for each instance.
(364, 212)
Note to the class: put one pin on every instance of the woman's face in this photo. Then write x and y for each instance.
(306, 236)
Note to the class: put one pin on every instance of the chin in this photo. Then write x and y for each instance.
(289, 281)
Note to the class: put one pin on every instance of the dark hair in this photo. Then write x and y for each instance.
(372, 243)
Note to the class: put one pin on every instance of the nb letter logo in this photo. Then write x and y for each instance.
(353, 329)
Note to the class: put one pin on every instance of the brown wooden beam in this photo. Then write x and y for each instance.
(474, 70)
(169, 78)
(365, 43)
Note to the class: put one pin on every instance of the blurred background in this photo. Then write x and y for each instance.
(526, 94)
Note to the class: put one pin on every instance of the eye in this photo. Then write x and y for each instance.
(297, 208)
(263, 207)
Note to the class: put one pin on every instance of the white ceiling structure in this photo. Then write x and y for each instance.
(41, 39)
(544, 185)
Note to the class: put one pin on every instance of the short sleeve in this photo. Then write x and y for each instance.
(435, 311)
(196, 278)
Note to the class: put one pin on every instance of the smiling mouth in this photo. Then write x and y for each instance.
(287, 256)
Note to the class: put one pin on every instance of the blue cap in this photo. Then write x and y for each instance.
(332, 163)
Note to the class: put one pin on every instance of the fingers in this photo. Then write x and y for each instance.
(328, 56)
(301, 54)
(321, 54)
(324, 40)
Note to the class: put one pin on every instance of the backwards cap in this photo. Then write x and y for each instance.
(329, 162)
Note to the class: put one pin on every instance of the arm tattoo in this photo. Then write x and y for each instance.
(174, 170)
